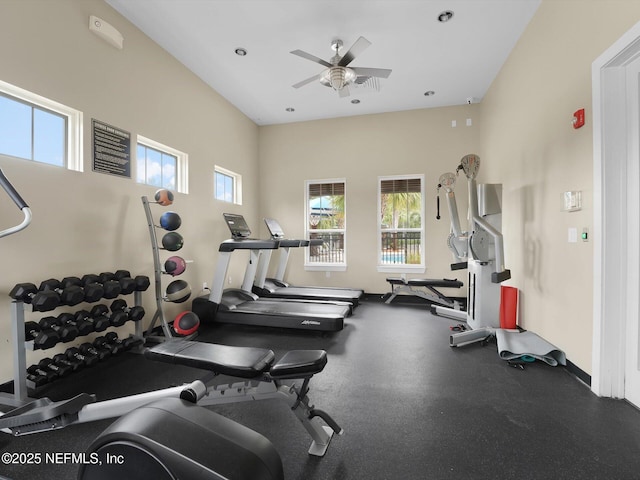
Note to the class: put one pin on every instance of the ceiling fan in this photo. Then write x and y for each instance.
(337, 74)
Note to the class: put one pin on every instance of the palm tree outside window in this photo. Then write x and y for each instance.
(401, 227)
(326, 222)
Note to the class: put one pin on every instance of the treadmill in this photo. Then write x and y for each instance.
(241, 306)
(277, 288)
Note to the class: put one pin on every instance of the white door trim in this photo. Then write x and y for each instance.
(610, 238)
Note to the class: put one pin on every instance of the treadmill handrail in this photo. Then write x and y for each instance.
(288, 242)
(248, 244)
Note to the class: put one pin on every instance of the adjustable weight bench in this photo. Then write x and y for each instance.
(235, 374)
(433, 295)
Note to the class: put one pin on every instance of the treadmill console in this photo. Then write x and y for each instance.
(237, 225)
(240, 233)
(274, 228)
(276, 232)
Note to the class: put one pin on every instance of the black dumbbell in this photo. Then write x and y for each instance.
(65, 331)
(87, 359)
(115, 319)
(114, 347)
(139, 283)
(41, 301)
(142, 282)
(73, 364)
(127, 283)
(105, 277)
(90, 349)
(111, 288)
(127, 344)
(42, 339)
(71, 295)
(135, 313)
(132, 342)
(92, 291)
(35, 380)
(47, 364)
(100, 322)
(84, 326)
(36, 370)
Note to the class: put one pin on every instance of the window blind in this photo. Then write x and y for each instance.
(403, 185)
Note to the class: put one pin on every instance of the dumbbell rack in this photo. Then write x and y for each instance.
(157, 270)
(21, 345)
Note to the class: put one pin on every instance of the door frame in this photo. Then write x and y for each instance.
(615, 234)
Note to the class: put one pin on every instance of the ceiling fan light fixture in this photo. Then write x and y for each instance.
(337, 74)
(338, 77)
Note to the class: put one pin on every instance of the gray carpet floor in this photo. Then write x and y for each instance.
(411, 407)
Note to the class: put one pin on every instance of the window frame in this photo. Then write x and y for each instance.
(74, 119)
(325, 266)
(237, 184)
(182, 162)
(401, 267)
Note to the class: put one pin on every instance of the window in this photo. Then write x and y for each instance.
(401, 227)
(38, 129)
(326, 221)
(227, 185)
(161, 166)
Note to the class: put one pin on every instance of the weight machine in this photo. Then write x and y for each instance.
(480, 250)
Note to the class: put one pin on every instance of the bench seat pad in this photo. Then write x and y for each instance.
(243, 362)
(299, 364)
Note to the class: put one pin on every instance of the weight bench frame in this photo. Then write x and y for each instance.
(401, 286)
(250, 374)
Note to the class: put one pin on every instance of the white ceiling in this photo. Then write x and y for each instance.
(457, 60)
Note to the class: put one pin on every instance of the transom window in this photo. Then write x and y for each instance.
(326, 225)
(401, 223)
(227, 185)
(161, 166)
(38, 129)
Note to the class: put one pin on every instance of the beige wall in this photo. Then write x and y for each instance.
(530, 147)
(360, 149)
(90, 222)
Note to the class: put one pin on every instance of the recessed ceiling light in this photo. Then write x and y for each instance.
(445, 16)
(429, 93)
(355, 101)
(290, 109)
(241, 51)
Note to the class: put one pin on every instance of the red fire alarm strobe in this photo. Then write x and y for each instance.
(578, 118)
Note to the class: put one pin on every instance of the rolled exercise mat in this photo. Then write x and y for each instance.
(514, 345)
(508, 307)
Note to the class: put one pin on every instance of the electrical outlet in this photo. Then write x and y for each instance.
(229, 279)
(205, 286)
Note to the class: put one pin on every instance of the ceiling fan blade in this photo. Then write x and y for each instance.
(372, 72)
(356, 49)
(344, 92)
(308, 80)
(313, 58)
